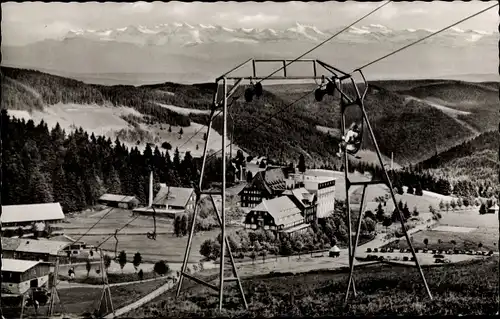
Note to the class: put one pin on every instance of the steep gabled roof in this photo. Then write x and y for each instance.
(282, 209)
(31, 213)
(271, 181)
(302, 194)
(173, 196)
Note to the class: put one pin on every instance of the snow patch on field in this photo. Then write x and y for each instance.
(97, 119)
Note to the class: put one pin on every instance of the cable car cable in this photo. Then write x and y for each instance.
(327, 40)
(100, 219)
(425, 38)
(203, 127)
(301, 56)
(265, 121)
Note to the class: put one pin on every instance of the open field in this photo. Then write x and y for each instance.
(421, 202)
(473, 229)
(465, 241)
(383, 290)
(98, 119)
(469, 218)
(133, 238)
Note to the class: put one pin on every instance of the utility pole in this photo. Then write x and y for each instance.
(392, 161)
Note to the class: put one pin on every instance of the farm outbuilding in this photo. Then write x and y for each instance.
(170, 202)
(18, 276)
(120, 201)
(33, 249)
(14, 216)
(493, 209)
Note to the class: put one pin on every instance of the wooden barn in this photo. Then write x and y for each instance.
(120, 201)
(18, 276)
(170, 201)
(15, 216)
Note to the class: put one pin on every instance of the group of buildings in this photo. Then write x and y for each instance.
(272, 200)
(287, 203)
(27, 259)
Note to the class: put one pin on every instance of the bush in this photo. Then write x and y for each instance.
(166, 145)
(161, 268)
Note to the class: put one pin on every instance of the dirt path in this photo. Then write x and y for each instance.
(142, 301)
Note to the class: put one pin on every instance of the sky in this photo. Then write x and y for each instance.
(35, 21)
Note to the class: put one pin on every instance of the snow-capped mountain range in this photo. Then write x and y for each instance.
(184, 34)
(180, 52)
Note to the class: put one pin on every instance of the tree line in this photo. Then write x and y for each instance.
(42, 166)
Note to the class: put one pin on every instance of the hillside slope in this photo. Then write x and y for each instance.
(132, 114)
(474, 160)
(476, 103)
(412, 130)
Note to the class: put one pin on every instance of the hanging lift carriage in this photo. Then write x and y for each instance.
(335, 81)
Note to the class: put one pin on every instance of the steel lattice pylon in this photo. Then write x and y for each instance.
(335, 77)
(358, 100)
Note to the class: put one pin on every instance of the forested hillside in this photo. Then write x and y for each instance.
(29, 90)
(41, 165)
(475, 160)
(413, 131)
(479, 99)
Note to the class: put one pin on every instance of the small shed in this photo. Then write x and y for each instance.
(334, 252)
(120, 201)
(20, 275)
(493, 209)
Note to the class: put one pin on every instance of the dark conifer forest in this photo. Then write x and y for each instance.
(41, 165)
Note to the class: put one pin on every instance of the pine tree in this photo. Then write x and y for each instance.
(406, 211)
(380, 213)
(410, 190)
(302, 164)
(482, 209)
(418, 190)
(184, 225)
(177, 159)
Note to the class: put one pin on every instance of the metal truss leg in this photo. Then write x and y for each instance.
(233, 265)
(220, 216)
(389, 184)
(188, 247)
(348, 207)
(223, 200)
(352, 257)
(198, 198)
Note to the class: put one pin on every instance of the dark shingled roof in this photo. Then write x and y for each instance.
(173, 196)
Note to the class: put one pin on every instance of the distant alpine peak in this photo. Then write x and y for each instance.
(183, 33)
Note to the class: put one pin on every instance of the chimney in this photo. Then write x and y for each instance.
(150, 190)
